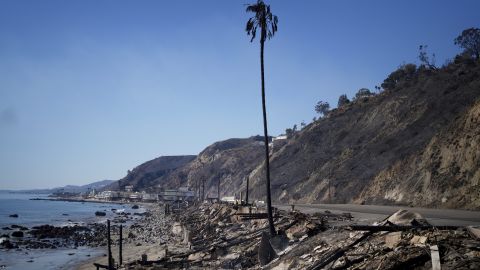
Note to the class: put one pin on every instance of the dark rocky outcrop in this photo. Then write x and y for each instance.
(100, 213)
(8, 245)
(17, 234)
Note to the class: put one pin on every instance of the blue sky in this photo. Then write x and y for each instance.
(90, 89)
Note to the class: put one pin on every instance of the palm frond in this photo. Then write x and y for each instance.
(249, 25)
(263, 19)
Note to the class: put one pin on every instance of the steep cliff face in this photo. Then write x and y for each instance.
(446, 173)
(390, 148)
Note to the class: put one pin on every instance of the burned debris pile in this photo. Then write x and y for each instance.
(222, 236)
(403, 241)
(225, 236)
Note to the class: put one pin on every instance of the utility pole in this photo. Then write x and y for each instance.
(120, 257)
(109, 247)
(246, 195)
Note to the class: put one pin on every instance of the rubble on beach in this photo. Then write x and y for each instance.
(229, 236)
(222, 236)
(70, 235)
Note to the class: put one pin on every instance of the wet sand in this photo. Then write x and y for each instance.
(47, 258)
(130, 253)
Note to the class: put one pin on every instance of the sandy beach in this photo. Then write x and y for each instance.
(149, 235)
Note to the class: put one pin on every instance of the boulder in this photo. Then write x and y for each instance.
(17, 234)
(404, 217)
(100, 213)
(7, 244)
(14, 216)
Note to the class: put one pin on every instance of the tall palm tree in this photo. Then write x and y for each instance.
(267, 24)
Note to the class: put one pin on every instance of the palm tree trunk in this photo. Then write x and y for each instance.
(267, 155)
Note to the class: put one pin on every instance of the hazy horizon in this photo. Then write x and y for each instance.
(91, 89)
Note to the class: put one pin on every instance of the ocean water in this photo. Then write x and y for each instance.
(58, 213)
(38, 212)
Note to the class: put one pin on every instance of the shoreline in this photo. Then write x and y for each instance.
(82, 200)
(133, 248)
(58, 199)
(50, 244)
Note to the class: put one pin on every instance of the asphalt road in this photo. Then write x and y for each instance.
(367, 214)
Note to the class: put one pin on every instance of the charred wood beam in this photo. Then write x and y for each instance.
(229, 242)
(98, 266)
(337, 253)
(349, 263)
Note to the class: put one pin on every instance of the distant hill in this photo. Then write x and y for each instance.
(145, 175)
(69, 188)
(75, 189)
(416, 143)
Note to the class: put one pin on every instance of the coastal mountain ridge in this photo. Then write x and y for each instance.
(68, 188)
(415, 143)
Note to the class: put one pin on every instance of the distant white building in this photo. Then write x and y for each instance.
(277, 141)
(169, 195)
(149, 197)
(185, 194)
(182, 194)
(92, 193)
(136, 197)
(128, 188)
(281, 137)
(107, 195)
